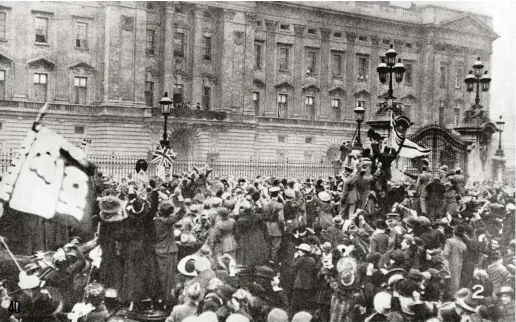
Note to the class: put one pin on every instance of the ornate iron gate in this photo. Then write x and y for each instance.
(445, 147)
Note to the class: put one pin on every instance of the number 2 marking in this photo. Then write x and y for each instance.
(478, 290)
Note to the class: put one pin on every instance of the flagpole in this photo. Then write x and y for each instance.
(2, 239)
(39, 118)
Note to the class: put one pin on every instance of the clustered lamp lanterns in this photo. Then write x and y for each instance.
(387, 69)
(481, 80)
(359, 117)
(166, 107)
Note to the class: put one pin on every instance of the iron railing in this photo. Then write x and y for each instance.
(121, 166)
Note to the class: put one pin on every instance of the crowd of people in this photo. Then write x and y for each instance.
(338, 249)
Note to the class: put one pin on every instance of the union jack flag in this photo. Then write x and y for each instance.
(163, 156)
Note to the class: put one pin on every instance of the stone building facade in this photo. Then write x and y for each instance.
(273, 79)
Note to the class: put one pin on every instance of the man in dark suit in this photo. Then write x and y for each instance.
(305, 274)
(423, 180)
(274, 220)
(435, 191)
(349, 194)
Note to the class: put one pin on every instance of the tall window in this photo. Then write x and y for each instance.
(282, 105)
(81, 35)
(41, 30)
(284, 58)
(206, 97)
(458, 78)
(179, 44)
(151, 41)
(337, 65)
(310, 106)
(3, 25)
(256, 102)
(408, 74)
(80, 85)
(2, 84)
(40, 87)
(456, 116)
(149, 93)
(258, 46)
(311, 62)
(362, 67)
(335, 106)
(442, 82)
(207, 48)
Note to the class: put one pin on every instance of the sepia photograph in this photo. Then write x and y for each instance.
(257, 161)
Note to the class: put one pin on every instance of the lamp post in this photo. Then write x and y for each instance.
(359, 117)
(387, 69)
(500, 124)
(475, 77)
(165, 103)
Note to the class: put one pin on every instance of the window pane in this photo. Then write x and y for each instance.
(41, 29)
(2, 25)
(43, 79)
(83, 82)
(2, 75)
(77, 81)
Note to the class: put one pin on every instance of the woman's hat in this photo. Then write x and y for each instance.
(137, 208)
(338, 221)
(506, 290)
(264, 271)
(324, 196)
(186, 265)
(111, 209)
(464, 299)
(290, 194)
(347, 278)
(202, 264)
(304, 247)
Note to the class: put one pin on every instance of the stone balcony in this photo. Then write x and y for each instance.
(349, 125)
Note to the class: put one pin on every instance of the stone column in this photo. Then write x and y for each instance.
(226, 35)
(197, 53)
(298, 110)
(112, 48)
(139, 48)
(270, 64)
(427, 79)
(168, 50)
(374, 81)
(248, 86)
(350, 75)
(325, 110)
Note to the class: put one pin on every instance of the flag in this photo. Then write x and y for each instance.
(163, 156)
(404, 147)
(50, 178)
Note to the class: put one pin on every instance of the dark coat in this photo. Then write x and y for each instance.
(273, 217)
(252, 247)
(305, 273)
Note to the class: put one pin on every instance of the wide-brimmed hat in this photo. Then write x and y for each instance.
(347, 278)
(264, 271)
(304, 247)
(137, 208)
(111, 209)
(274, 189)
(324, 196)
(507, 289)
(464, 299)
(202, 264)
(186, 265)
(290, 194)
(510, 207)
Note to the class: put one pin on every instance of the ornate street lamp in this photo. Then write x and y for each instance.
(475, 77)
(387, 69)
(166, 107)
(359, 117)
(500, 124)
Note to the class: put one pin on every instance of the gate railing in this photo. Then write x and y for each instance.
(120, 166)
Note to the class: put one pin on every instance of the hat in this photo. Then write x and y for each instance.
(216, 201)
(448, 312)
(347, 278)
(235, 317)
(194, 208)
(225, 292)
(75, 240)
(324, 196)
(277, 315)
(302, 316)
(510, 207)
(423, 221)
(443, 168)
(194, 291)
(506, 290)
(304, 247)
(188, 201)
(396, 271)
(443, 222)
(416, 275)
(186, 265)
(202, 264)
(392, 214)
(274, 189)
(464, 299)
(256, 289)
(338, 221)
(382, 302)
(394, 278)
(138, 208)
(348, 169)
(111, 209)
(290, 194)
(205, 251)
(326, 246)
(264, 271)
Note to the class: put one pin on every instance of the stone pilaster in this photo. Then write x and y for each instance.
(198, 54)
(140, 23)
(168, 50)
(351, 75)
(226, 83)
(375, 60)
(112, 49)
(298, 111)
(270, 64)
(325, 74)
(250, 28)
(427, 79)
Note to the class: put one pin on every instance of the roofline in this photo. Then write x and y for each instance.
(452, 9)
